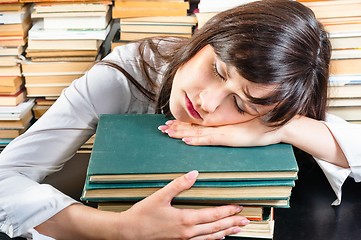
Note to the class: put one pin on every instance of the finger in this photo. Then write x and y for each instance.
(223, 226)
(211, 140)
(177, 186)
(212, 214)
(191, 130)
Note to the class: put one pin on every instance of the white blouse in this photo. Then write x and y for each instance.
(72, 120)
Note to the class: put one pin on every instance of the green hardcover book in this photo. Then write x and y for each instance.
(130, 148)
(201, 191)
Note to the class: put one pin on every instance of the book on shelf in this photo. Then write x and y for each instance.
(64, 59)
(202, 18)
(10, 51)
(346, 42)
(57, 79)
(147, 12)
(51, 7)
(60, 53)
(156, 28)
(55, 68)
(12, 41)
(22, 123)
(62, 1)
(16, 112)
(211, 6)
(12, 132)
(133, 36)
(38, 32)
(345, 91)
(68, 44)
(63, 14)
(9, 61)
(13, 17)
(5, 88)
(18, 29)
(176, 20)
(345, 66)
(14, 6)
(10, 70)
(334, 9)
(346, 29)
(151, 4)
(348, 113)
(96, 20)
(10, 81)
(344, 102)
(346, 53)
(13, 99)
(39, 110)
(345, 79)
(40, 90)
(42, 101)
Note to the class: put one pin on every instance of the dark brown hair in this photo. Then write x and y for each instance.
(277, 42)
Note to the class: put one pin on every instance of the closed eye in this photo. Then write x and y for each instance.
(239, 109)
(217, 74)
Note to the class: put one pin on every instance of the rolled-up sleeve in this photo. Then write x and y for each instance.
(347, 136)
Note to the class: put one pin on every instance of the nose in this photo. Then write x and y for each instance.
(212, 97)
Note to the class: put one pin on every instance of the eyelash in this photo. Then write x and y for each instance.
(240, 110)
(216, 73)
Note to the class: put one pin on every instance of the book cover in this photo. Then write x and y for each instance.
(131, 147)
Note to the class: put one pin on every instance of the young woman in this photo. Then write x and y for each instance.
(254, 75)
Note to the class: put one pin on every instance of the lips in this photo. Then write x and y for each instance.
(191, 109)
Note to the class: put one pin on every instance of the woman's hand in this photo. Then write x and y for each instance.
(155, 218)
(250, 133)
(152, 218)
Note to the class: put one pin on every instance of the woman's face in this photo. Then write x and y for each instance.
(208, 92)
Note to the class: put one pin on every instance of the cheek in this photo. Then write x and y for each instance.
(226, 117)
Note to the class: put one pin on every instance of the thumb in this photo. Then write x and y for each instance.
(177, 186)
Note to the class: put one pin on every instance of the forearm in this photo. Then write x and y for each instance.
(81, 222)
(313, 137)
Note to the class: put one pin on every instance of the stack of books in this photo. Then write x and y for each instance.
(131, 159)
(15, 120)
(142, 19)
(14, 25)
(342, 19)
(46, 80)
(208, 8)
(65, 41)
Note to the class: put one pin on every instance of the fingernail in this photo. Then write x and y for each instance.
(245, 222)
(192, 175)
(163, 128)
(236, 230)
(169, 131)
(239, 208)
(169, 122)
(186, 140)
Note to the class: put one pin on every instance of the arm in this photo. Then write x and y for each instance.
(152, 218)
(49, 143)
(309, 135)
(315, 138)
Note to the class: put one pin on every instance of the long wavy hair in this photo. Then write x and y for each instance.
(278, 42)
